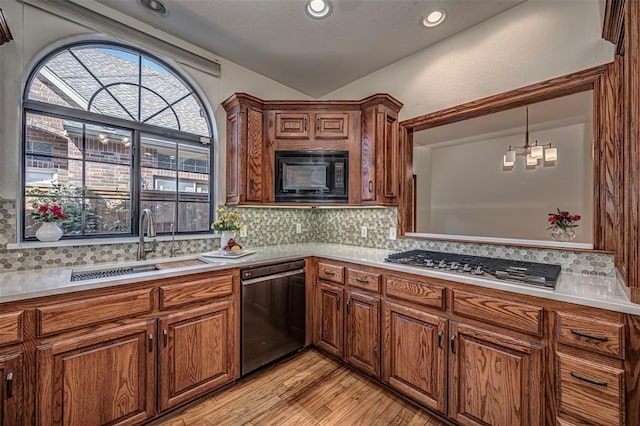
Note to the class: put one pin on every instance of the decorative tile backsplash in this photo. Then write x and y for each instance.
(269, 226)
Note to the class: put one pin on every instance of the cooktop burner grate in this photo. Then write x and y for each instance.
(531, 273)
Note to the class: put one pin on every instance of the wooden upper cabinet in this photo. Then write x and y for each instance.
(292, 125)
(380, 151)
(245, 178)
(367, 129)
(106, 377)
(332, 125)
(11, 389)
(198, 352)
(494, 379)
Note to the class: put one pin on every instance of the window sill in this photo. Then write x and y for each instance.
(103, 241)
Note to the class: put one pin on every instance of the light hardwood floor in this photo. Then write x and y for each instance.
(309, 389)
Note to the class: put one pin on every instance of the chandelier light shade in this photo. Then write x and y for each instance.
(532, 152)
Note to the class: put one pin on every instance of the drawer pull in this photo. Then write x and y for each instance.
(331, 273)
(150, 342)
(362, 280)
(453, 343)
(440, 338)
(165, 334)
(9, 385)
(589, 336)
(586, 379)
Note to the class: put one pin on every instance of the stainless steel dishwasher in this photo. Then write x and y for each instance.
(273, 313)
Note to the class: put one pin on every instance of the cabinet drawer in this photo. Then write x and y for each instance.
(592, 334)
(72, 315)
(11, 328)
(365, 280)
(329, 272)
(590, 391)
(416, 292)
(332, 125)
(513, 315)
(193, 291)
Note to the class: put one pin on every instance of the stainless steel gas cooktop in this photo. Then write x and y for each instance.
(530, 273)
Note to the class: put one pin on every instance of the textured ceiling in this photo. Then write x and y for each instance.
(276, 38)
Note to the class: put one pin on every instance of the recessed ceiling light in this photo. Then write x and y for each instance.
(434, 18)
(154, 6)
(318, 9)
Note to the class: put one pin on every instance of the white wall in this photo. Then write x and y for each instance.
(532, 42)
(470, 193)
(34, 31)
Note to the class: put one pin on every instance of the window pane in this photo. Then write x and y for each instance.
(166, 119)
(162, 81)
(127, 95)
(71, 207)
(193, 217)
(191, 116)
(151, 104)
(158, 152)
(53, 136)
(193, 183)
(109, 65)
(108, 145)
(164, 213)
(108, 216)
(104, 103)
(107, 180)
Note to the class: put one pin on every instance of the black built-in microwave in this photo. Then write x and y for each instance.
(312, 176)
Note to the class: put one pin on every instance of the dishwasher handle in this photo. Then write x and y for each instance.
(272, 277)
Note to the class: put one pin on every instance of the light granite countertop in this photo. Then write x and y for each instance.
(589, 290)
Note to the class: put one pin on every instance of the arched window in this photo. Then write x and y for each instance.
(108, 131)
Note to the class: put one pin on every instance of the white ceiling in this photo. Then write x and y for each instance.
(276, 38)
(559, 112)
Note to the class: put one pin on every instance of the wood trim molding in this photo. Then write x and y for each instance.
(538, 92)
(5, 32)
(613, 24)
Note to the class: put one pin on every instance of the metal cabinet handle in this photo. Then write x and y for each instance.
(317, 124)
(370, 186)
(165, 334)
(589, 336)
(453, 343)
(588, 380)
(348, 304)
(150, 342)
(440, 332)
(9, 385)
(305, 124)
(338, 303)
(331, 273)
(362, 280)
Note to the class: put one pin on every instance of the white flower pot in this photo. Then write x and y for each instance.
(49, 232)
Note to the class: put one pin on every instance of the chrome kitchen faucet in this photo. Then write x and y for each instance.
(150, 230)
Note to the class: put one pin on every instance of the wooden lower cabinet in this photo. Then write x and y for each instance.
(363, 332)
(11, 389)
(106, 377)
(414, 355)
(494, 379)
(197, 352)
(330, 318)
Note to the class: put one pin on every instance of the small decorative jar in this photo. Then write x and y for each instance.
(564, 235)
(49, 232)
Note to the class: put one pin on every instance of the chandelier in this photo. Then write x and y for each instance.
(533, 152)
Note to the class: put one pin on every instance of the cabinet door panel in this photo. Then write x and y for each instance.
(330, 315)
(414, 355)
(254, 154)
(196, 352)
(234, 152)
(292, 125)
(11, 389)
(104, 378)
(495, 379)
(363, 332)
(332, 125)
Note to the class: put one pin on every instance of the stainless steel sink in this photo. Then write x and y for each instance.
(110, 272)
